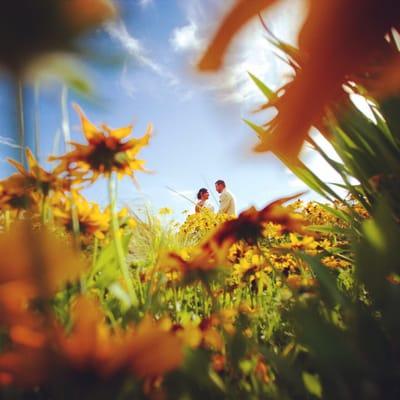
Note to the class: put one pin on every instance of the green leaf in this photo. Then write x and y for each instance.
(118, 292)
(268, 93)
(337, 213)
(312, 384)
(256, 128)
(327, 281)
(330, 229)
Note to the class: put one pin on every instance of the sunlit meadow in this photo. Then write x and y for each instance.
(295, 299)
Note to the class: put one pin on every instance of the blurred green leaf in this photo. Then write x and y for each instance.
(312, 384)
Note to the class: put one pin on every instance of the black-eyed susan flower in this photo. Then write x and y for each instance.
(107, 151)
(15, 193)
(92, 348)
(93, 222)
(36, 178)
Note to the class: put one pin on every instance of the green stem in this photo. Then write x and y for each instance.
(7, 220)
(37, 118)
(20, 119)
(43, 210)
(117, 241)
(75, 223)
(95, 251)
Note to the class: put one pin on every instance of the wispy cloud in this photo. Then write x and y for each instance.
(118, 31)
(6, 141)
(138, 54)
(250, 51)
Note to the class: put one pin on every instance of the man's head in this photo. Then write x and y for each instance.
(219, 185)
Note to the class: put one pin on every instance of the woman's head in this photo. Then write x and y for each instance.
(203, 194)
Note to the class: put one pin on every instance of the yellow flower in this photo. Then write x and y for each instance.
(92, 221)
(303, 243)
(36, 355)
(335, 262)
(14, 193)
(37, 259)
(105, 151)
(147, 350)
(38, 179)
(165, 211)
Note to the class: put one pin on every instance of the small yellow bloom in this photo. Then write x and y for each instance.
(106, 151)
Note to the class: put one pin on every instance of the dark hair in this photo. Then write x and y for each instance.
(220, 182)
(200, 192)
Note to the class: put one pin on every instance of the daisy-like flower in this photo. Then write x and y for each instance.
(39, 354)
(92, 221)
(38, 179)
(14, 193)
(105, 151)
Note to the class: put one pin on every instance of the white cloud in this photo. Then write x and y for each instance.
(6, 141)
(145, 3)
(249, 52)
(317, 164)
(127, 83)
(135, 49)
(185, 38)
(117, 30)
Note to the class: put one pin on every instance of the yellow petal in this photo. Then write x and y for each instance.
(89, 130)
(119, 133)
(32, 163)
(17, 165)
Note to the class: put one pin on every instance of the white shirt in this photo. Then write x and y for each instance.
(204, 204)
(227, 203)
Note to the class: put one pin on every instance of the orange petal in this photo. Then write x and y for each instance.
(89, 130)
(332, 55)
(119, 133)
(32, 163)
(239, 15)
(17, 165)
(26, 336)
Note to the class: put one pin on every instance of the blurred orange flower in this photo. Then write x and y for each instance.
(92, 221)
(49, 26)
(329, 55)
(251, 223)
(145, 351)
(36, 257)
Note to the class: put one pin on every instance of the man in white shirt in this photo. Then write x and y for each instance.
(226, 200)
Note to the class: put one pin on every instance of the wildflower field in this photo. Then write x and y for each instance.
(298, 299)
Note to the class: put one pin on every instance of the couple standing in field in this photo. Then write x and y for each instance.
(226, 199)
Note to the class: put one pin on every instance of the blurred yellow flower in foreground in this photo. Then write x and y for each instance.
(37, 258)
(36, 355)
(105, 151)
(147, 350)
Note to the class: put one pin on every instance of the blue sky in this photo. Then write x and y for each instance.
(149, 76)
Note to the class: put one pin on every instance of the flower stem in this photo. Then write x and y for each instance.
(20, 118)
(7, 220)
(117, 241)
